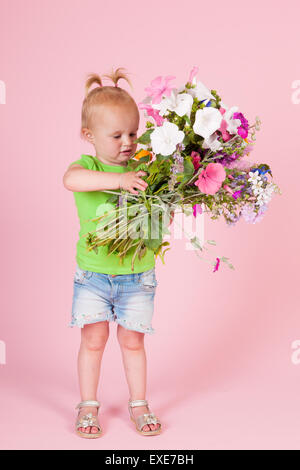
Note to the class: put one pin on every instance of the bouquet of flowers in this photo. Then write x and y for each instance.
(195, 153)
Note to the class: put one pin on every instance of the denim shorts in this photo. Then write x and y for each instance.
(126, 298)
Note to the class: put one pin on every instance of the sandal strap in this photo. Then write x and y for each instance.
(88, 403)
(147, 418)
(88, 420)
(133, 403)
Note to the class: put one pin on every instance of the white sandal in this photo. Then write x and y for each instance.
(88, 420)
(142, 420)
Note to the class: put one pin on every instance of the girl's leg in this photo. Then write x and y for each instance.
(135, 366)
(93, 341)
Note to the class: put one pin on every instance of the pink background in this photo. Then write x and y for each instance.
(220, 374)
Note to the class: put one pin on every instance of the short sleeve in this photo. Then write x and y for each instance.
(86, 161)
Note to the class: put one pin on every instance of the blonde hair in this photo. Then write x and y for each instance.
(103, 95)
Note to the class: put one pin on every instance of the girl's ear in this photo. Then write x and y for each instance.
(87, 134)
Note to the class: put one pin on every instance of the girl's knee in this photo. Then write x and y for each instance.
(95, 335)
(129, 339)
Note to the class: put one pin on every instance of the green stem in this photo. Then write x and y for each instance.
(135, 253)
(126, 227)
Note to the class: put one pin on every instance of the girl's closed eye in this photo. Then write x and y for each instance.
(118, 136)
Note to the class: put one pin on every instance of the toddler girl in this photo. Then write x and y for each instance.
(104, 289)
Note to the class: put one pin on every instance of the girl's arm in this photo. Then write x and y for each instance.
(77, 178)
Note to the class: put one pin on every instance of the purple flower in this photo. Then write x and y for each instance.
(237, 194)
(180, 147)
(243, 129)
(227, 159)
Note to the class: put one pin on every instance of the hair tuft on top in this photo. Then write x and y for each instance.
(92, 78)
(116, 75)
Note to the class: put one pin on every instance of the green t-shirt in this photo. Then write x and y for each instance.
(91, 204)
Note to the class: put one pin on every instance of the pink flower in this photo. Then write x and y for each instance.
(197, 208)
(210, 180)
(223, 127)
(230, 177)
(196, 158)
(159, 87)
(153, 113)
(217, 265)
(228, 189)
(193, 72)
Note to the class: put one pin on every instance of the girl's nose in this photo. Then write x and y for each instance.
(127, 143)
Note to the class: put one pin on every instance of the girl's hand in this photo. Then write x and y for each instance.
(131, 180)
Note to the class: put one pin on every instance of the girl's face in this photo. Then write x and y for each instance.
(113, 131)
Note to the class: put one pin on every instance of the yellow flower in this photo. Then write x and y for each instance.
(143, 153)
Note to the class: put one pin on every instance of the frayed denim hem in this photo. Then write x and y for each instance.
(87, 319)
(135, 326)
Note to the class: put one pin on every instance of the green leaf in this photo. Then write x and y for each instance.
(144, 138)
(142, 166)
(145, 159)
(186, 140)
(188, 167)
(187, 119)
(265, 166)
(160, 157)
(153, 243)
(196, 243)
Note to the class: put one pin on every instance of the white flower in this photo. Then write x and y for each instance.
(257, 192)
(201, 92)
(254, 176)
(165, 138)
(259, 202)
(212, 143)
(207, 121)
(263, 197)
(257, 188)
(181, 104)
(257, 182)
(232, 124)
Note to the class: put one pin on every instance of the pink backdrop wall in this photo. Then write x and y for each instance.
(220, 369)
